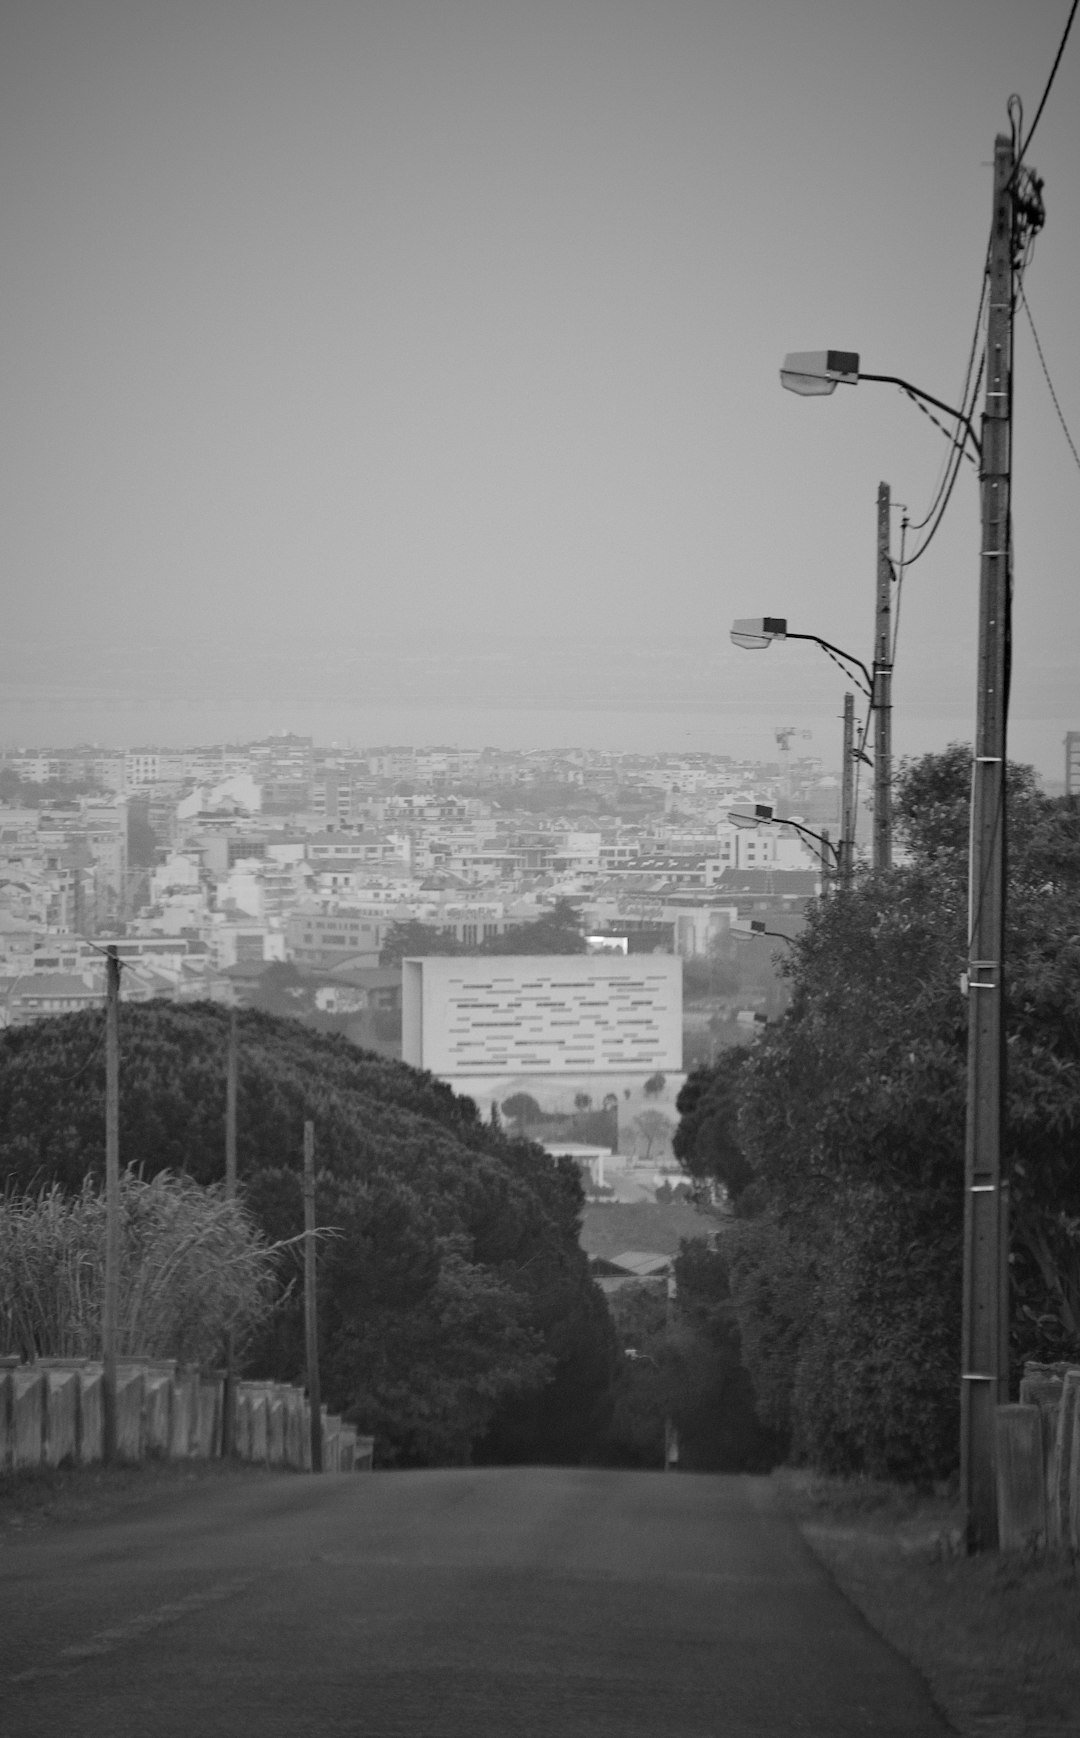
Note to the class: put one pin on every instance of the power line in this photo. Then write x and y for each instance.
(951, 484)
(965, 392)
(1046, 92)
(950, 471)
(1046, 375)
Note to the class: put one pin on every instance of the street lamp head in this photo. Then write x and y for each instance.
(814, 373)
(754, 633)
(761, 812)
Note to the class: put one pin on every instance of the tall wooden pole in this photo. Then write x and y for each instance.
(110, 1307)
(882, 700)
(984, 1374)
(228, 1416)
(311, 1326)
(847, 794)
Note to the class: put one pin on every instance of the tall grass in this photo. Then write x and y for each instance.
(192, 1265)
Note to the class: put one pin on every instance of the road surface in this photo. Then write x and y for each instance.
(445, 1604)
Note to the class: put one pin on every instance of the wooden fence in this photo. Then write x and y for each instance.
(1038, 1462)
(52, 1414)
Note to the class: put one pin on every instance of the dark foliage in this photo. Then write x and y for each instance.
(707, 1138)
(843, 1131)
(455, 1302)
(557, 932)
(681, 1362)
(27, 793)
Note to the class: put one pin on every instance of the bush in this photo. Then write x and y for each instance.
(192, 1265)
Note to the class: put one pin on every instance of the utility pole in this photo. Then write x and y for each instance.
(110, 1306)
(882, 681)
(984, 1372)
(847, 794)
(228, 1417)
(311, 1329)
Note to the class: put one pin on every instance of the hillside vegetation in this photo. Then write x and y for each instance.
(839, 1138)
(457, 1316)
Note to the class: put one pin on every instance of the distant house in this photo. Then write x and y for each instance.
(38, 995)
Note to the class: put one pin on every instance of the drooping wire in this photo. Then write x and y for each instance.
(1046, 92)
(966, 391)
(1046, 374)
(935, 513)
(899, 570)
(950, 434)
(944, 495)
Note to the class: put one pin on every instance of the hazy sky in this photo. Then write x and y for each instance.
(401, 366)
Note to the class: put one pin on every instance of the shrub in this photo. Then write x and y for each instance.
(191, 1265)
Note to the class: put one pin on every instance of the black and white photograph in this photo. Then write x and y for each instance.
(539, 868)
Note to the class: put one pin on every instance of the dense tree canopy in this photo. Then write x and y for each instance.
(840, 1136)
(455, 1301)
(557, 931)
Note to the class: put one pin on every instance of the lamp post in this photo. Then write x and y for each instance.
(752, 926)
(764, 814)
(757, 633)
(1017, 214)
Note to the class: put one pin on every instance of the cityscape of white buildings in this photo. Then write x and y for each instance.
(208, 865)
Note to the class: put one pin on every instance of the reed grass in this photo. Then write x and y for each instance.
(192, 1266)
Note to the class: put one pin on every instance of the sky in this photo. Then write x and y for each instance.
(407, 370)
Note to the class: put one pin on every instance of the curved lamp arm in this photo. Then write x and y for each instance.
(868, 681)
(917, 392)
(816, 373)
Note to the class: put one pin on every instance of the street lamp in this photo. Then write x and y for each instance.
(816, 373)
(757, 633)
(764, 813)
(1016, 217)
(751, 926)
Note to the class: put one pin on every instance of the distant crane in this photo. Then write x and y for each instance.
(784, 734)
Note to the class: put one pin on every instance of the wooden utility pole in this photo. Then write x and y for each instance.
(110, 1306)
(984, 1373)
(882, 696)
(311, 1326)
(228, 1416)
(847, 794)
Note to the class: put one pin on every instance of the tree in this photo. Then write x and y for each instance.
(557, 932)
(707, 1142)
(454, 1297)
(653, 1127)
(412, 939)
(283, 989)
(849, 1117)
(521, 1108)
(142, 841)
(655, 1085)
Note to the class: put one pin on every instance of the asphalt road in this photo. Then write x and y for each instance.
(449, 1604)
